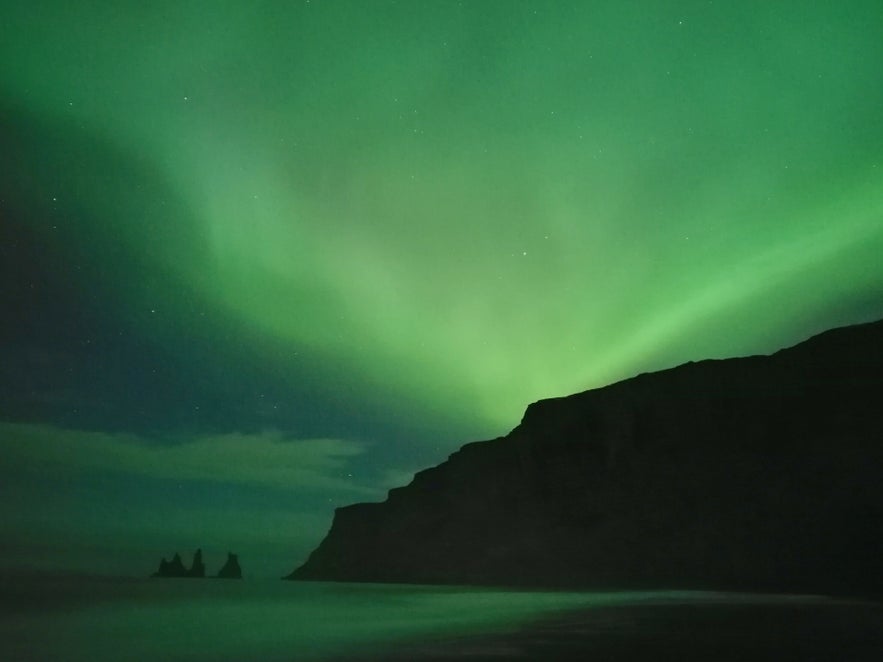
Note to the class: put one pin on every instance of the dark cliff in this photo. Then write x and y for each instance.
(752, 473)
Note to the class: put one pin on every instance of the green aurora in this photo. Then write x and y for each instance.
(446, 210)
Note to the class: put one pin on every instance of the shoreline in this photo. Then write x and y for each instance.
(758, 627)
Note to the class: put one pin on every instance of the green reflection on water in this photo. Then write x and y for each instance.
(273, 620)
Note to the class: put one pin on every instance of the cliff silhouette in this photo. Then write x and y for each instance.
(756, 473)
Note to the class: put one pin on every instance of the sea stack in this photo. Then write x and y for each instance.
(173, 568)
(757, 473)
(231, 569)
(198, 567)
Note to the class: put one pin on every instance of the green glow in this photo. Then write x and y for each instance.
(320, 621)
(475, 207)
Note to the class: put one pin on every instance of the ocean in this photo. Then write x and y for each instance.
(100, 619)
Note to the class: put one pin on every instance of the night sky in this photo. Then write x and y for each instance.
(262, 259)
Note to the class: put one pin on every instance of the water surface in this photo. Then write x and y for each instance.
(194, 620)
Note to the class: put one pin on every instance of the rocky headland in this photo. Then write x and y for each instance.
(756, 473)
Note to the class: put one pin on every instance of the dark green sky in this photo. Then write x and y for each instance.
(265, 258)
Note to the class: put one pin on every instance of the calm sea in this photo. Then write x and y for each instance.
(102, 619)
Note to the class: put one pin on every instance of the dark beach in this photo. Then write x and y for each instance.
(770, 628)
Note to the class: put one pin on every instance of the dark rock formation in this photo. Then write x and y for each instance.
(231, 569)
(198, 567)
(751, 473)
(173, 568)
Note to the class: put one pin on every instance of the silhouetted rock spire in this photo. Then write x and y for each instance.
(231, 569)
(173, 568)
(198, 567)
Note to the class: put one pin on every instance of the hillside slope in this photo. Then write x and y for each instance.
(751, 473)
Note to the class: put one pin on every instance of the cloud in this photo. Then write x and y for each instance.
(268, 459)
(392, 478)
(69, 497)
